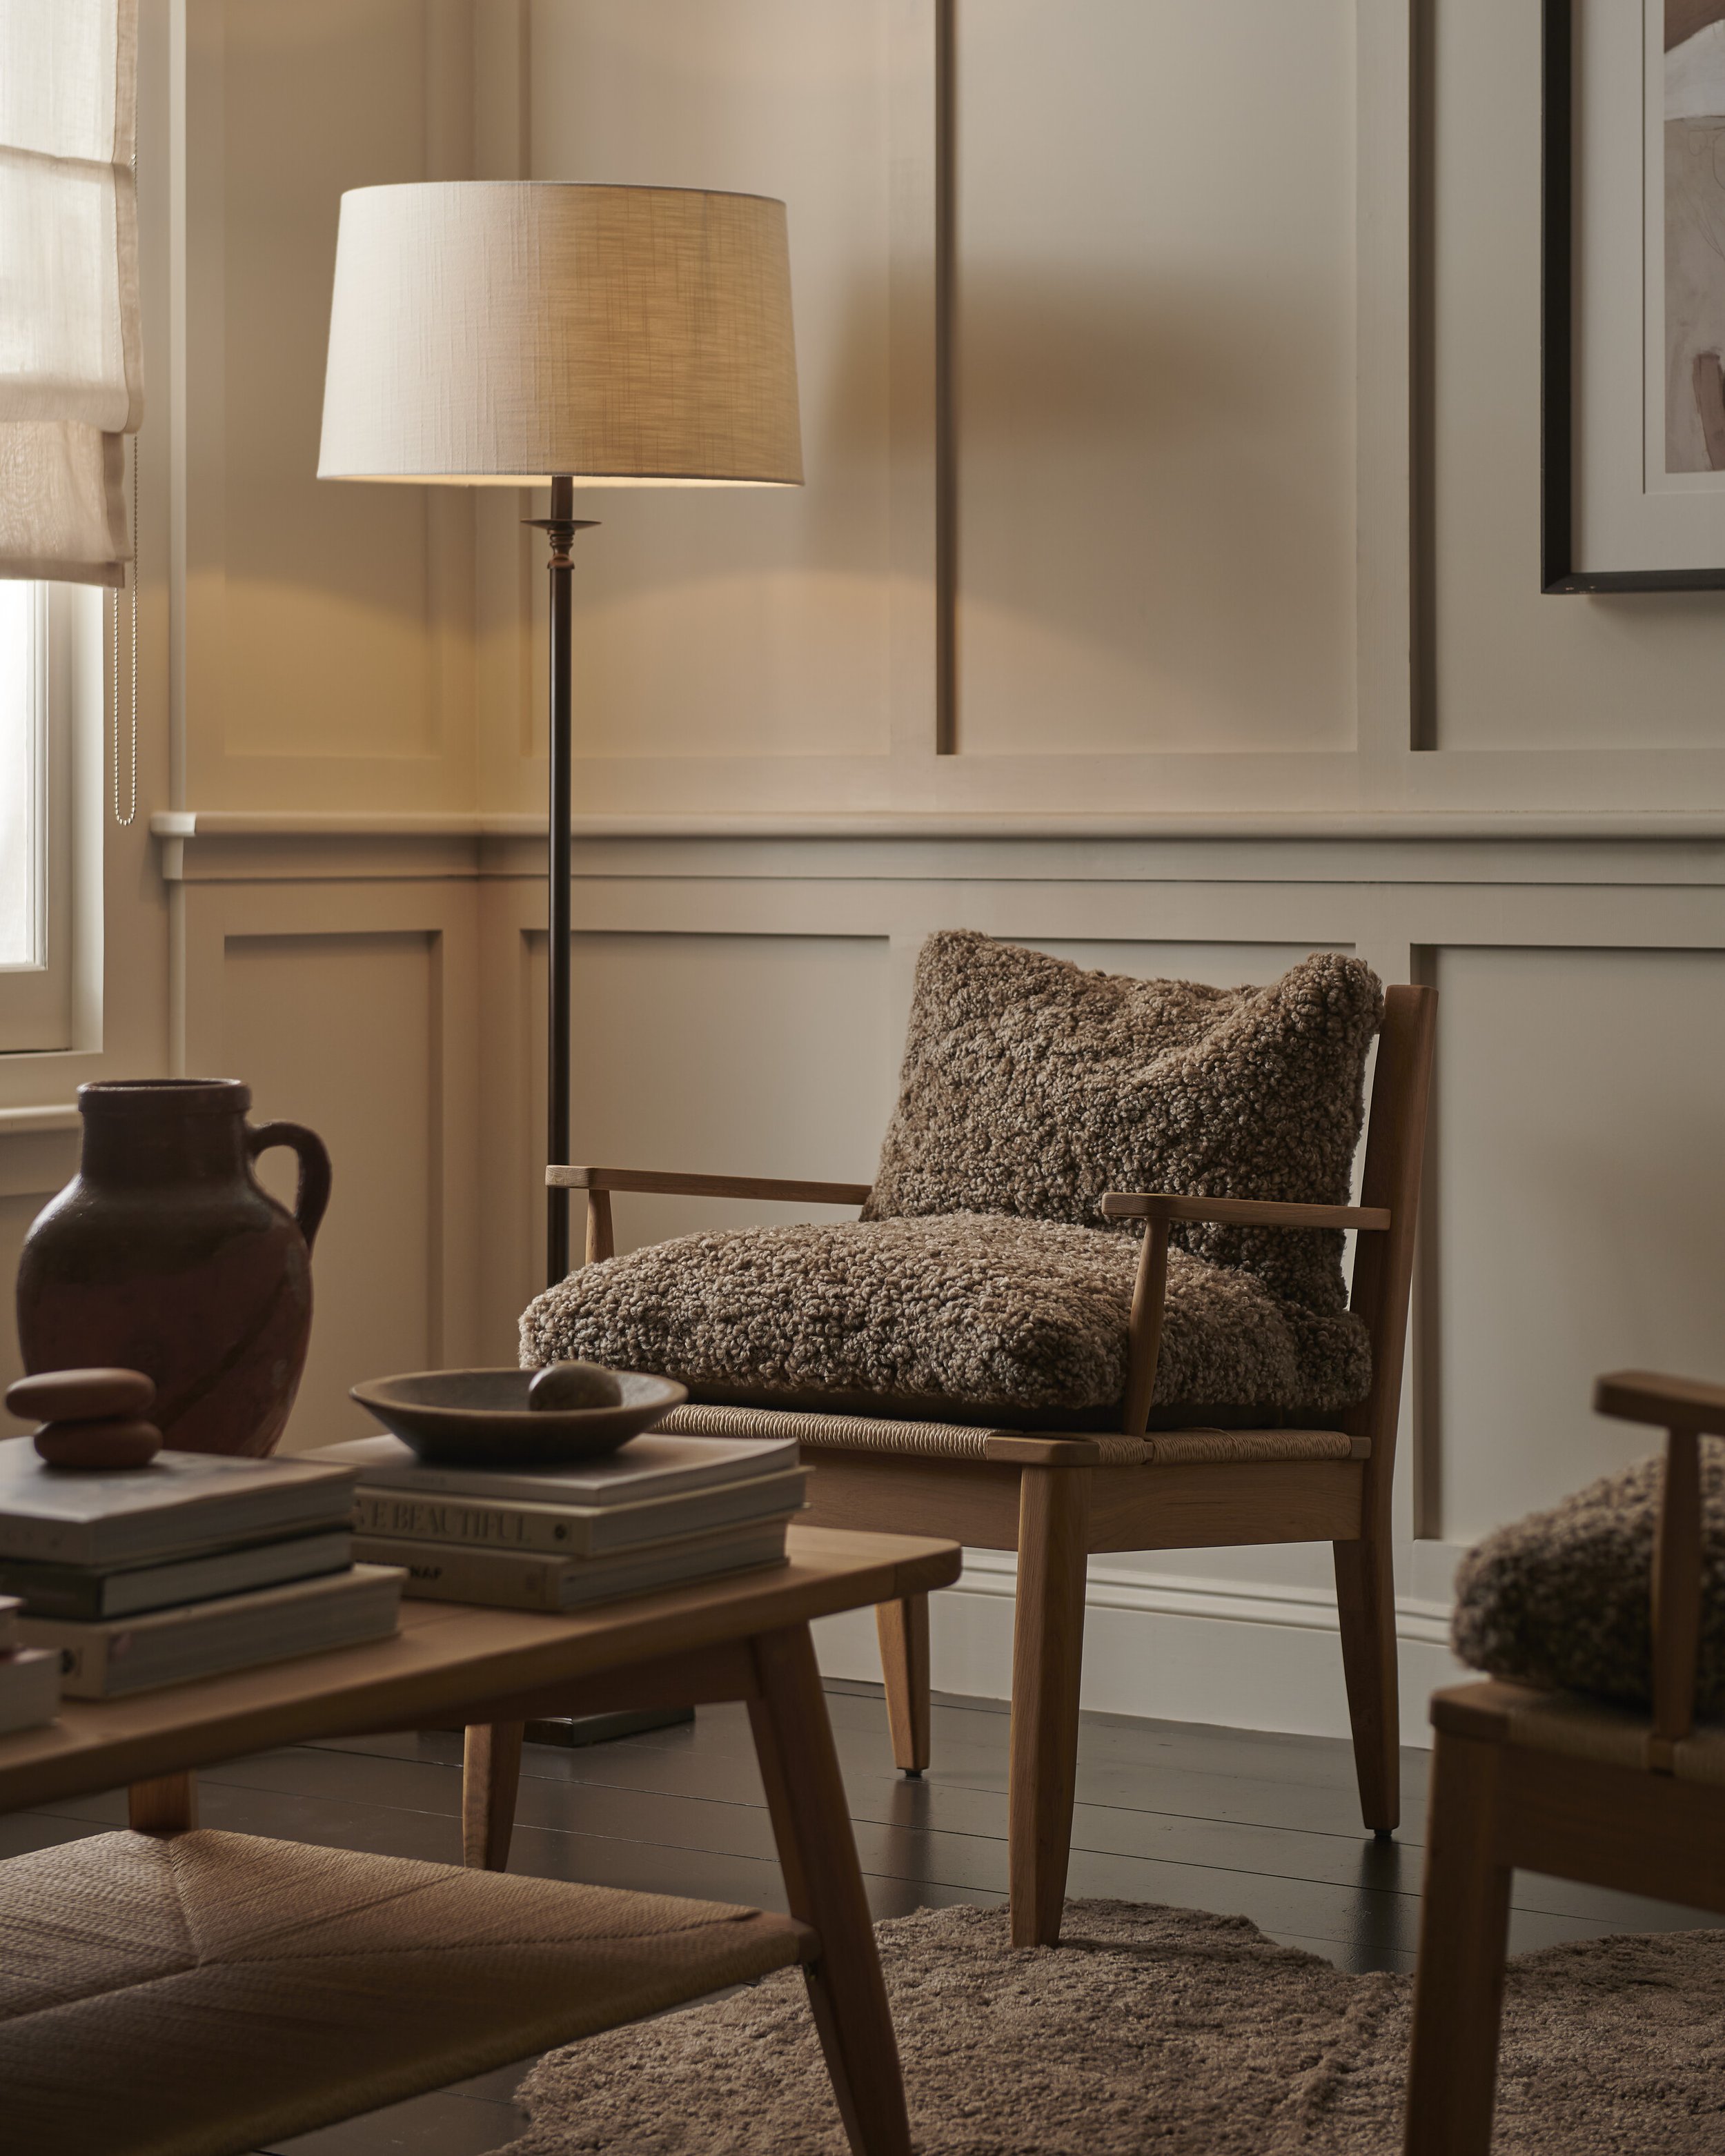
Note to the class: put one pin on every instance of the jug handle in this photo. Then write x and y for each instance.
(313, 1194)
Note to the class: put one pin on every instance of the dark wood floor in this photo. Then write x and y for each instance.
(1224, 1819)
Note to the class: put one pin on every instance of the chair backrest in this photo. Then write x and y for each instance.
(1383, 1264)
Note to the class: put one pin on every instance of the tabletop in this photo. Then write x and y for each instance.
(450, 1657)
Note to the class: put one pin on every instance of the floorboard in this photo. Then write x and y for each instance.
(1236, 1821)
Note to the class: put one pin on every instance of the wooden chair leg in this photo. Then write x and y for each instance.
(811, 1824)
(491, 1775)
(1365, 1603)
(1464, 1930)
(903, 1629)
(167, 1804)
(1047, 1656)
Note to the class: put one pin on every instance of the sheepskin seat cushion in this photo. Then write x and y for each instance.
(1030, 1086)
(1563, 1599)
(962, 1317)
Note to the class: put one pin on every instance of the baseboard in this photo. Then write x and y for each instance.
(1249, 1655)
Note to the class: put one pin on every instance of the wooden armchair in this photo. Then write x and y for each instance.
(1568, 1785)
(1054, 1499)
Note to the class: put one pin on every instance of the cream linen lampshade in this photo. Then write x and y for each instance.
(510, 332)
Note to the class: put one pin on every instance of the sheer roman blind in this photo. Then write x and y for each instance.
(71, 383)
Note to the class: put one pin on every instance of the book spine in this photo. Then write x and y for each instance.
(70, 1596)
(53, 1542)
(459, 1520)
(84, 1662)
(29, 1688)
(455, 1573)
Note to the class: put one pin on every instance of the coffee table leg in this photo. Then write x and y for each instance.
(491, 1776)
(811, 1824)
(167, 1804)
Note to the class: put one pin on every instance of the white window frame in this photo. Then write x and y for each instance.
(39, 998)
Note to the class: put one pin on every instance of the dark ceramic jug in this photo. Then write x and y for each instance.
(164, 1255)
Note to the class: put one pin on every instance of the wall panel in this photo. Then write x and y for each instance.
(1155, 377)
(734, 1055)
(364, 1077)
(324, 647)
(1579, 1207)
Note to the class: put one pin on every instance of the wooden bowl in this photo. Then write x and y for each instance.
(481, 1419)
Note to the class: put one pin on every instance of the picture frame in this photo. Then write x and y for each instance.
(1628, 502)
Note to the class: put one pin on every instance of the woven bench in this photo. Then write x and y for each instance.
(205, 1994)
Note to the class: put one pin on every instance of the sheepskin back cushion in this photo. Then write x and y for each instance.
(1031, 1086)
(1563, 1599)
(965, 1317)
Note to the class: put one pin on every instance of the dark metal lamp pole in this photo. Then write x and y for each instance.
(560, 528)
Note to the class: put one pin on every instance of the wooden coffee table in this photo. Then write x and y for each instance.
(744, 1637)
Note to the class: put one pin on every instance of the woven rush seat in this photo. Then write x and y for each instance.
(950, 1440)
(210, 1992)
(1582, 1728)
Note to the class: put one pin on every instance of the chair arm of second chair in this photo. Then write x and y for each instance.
(598, 1183)
(1686, 1409)
(1159, 1210)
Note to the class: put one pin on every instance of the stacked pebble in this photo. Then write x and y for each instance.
(90, 1419)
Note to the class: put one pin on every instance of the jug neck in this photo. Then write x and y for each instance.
(148, 1130)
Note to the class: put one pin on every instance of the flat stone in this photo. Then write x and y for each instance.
(562, 1386)
(81, 1395)
(117, 1442)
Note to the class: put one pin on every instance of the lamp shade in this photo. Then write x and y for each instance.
(515, 332)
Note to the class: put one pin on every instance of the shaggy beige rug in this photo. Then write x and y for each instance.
(1159, 2030)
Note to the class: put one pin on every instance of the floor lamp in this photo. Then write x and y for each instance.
(527, 333)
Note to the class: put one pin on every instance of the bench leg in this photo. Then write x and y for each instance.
(1365, 1603)
(903, 1629)
(167, 1804)
(1047, 1656)
(491, 1775)
(1464, 1932)
(811, 1824)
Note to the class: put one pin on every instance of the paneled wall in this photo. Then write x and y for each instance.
(1250, 658)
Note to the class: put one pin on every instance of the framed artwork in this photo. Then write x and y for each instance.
(1633, 299)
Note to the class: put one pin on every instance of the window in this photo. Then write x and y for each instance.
(43, 630)
(23, 701)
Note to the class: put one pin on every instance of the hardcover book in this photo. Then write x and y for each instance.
(29, 1689)
(84, 1591)
(181, 1502)
(507, 1579)
(652, 1466)
(117, 1656)
(568, 1530)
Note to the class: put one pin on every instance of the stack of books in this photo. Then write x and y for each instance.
(30, 1677)
(664, 1511)
(196, 1563)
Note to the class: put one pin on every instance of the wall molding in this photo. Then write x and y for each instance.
(183, 824)
(1418, 1620)
(1168, 1647)
(1630, 849)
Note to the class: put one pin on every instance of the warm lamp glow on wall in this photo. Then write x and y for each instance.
(522, 333)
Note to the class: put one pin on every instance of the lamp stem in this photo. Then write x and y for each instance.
(560, 528)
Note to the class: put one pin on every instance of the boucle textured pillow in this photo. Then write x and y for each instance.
(966, 1317)
(1563, 1599)
(1031, 1086)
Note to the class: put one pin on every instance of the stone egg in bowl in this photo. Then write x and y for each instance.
(484, 1419)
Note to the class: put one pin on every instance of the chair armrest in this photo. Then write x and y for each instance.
(1685, 1408)
(670, 1183)
(1667, 1403)
(1164, 1205)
